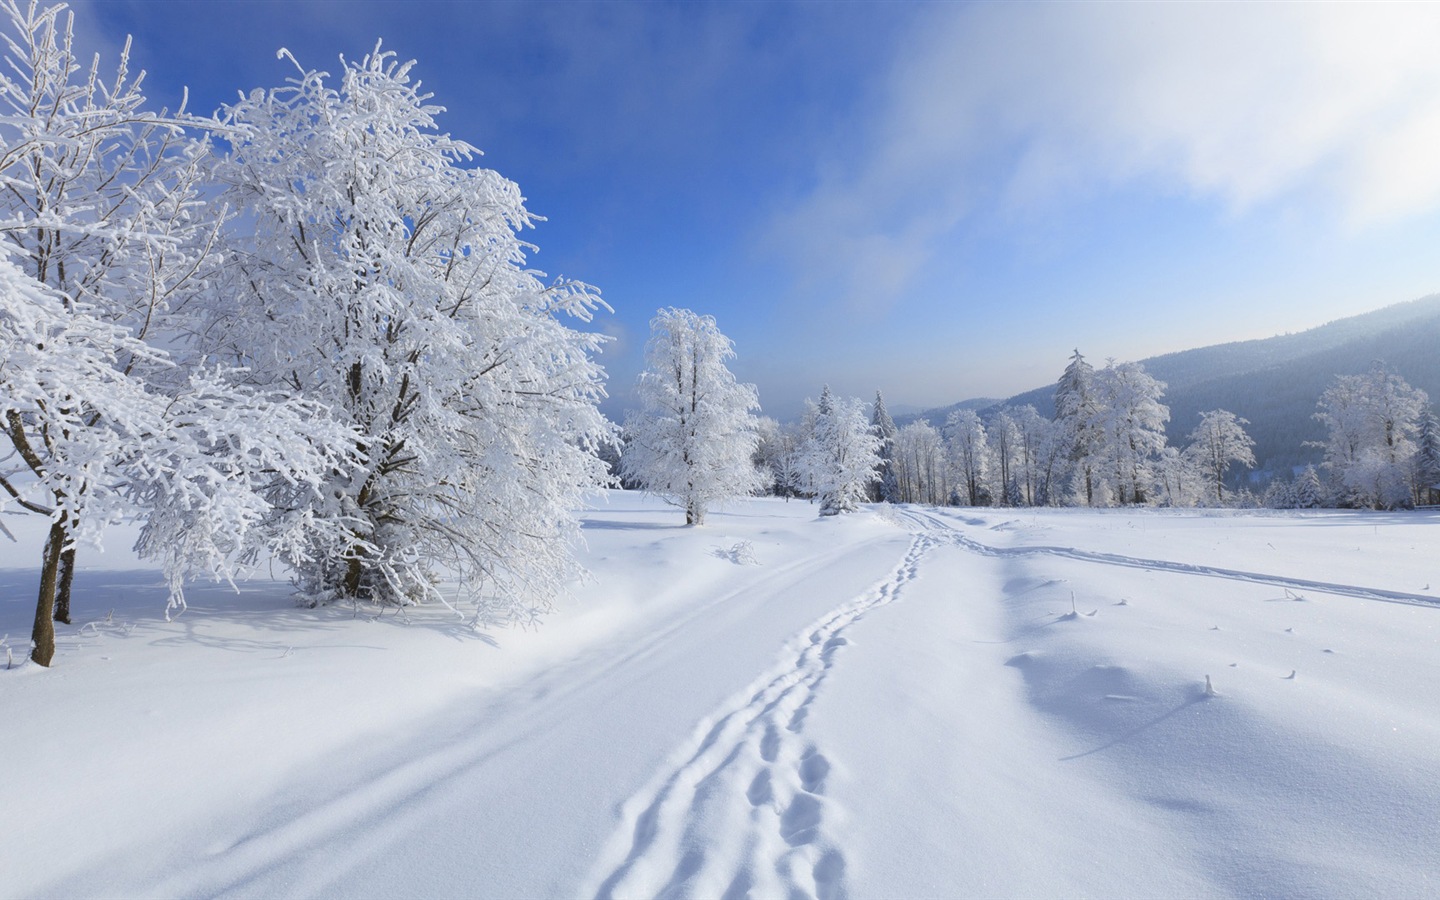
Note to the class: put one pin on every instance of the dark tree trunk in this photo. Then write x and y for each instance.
(67, 578)
(44, 633)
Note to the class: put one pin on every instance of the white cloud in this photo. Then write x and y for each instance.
(1334, 108)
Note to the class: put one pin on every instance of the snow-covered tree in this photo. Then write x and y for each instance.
(108, 239)
(1132, 427)
(1372, 421)
(841, 453)
(778, 454)
(1041, 455)
(920, 465)
(1279, 494)
(693, 439)
(1427, 459)
(886, 488)
(1078, 414)
(1218, 442)
(965, 437)
(1177, 481)
(379, 273)
(1004, 445)
(1309, 491)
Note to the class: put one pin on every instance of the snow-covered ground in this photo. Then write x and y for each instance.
(905, 702)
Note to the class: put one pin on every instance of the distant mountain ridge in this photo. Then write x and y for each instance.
(1274, 382)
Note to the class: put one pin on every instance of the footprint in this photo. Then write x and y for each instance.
(770, 744)
(813, 769)
(760, 791)
(739, 888)
(830, 876)
(797, 721)
(800, 822)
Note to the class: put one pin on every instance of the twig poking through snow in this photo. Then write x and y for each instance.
(742, 553)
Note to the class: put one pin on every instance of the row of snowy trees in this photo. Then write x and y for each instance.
(697, 441)
(301, 326)
(1106, 445)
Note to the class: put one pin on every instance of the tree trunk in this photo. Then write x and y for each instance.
(44, 633)
(67, 578)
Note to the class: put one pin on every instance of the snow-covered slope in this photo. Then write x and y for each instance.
(900, 702)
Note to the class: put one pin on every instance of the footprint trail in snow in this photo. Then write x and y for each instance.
(745, 812)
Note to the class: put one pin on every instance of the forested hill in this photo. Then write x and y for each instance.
(1276, 382)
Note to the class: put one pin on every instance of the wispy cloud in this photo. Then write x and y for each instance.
(999, 108)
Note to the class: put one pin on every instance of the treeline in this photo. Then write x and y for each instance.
(1275, 382)
(1106, 444)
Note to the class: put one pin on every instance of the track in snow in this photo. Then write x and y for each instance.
(932, 523)
(744, 811)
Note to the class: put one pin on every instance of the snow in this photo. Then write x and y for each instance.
(900, 702)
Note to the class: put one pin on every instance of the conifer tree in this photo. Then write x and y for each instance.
(841, 453)
(1427, 459)
(1309, 490)
(885, 489)
(1078, 413)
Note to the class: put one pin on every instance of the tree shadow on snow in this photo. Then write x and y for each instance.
(1135, 731)
(131, 605)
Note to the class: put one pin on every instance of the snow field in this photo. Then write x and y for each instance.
(898, 702)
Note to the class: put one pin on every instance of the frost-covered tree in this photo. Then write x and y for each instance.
(375, 270)
(1427, 459)
(886, 488)
(1178, 481)
(841, 453)
(778, 454)
(1218, 442)
(99, 203)
(1309, 491)
(1132, 427)
(1041, 455)
(1279, 494)
(1372, 421)
(965, 437)
(1004, 445)
(693, 439)
(1078, 413)
(107, 241)
(920, 465)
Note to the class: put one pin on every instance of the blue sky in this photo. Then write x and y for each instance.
(938, 200)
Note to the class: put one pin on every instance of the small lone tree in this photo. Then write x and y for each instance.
(694, 438)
